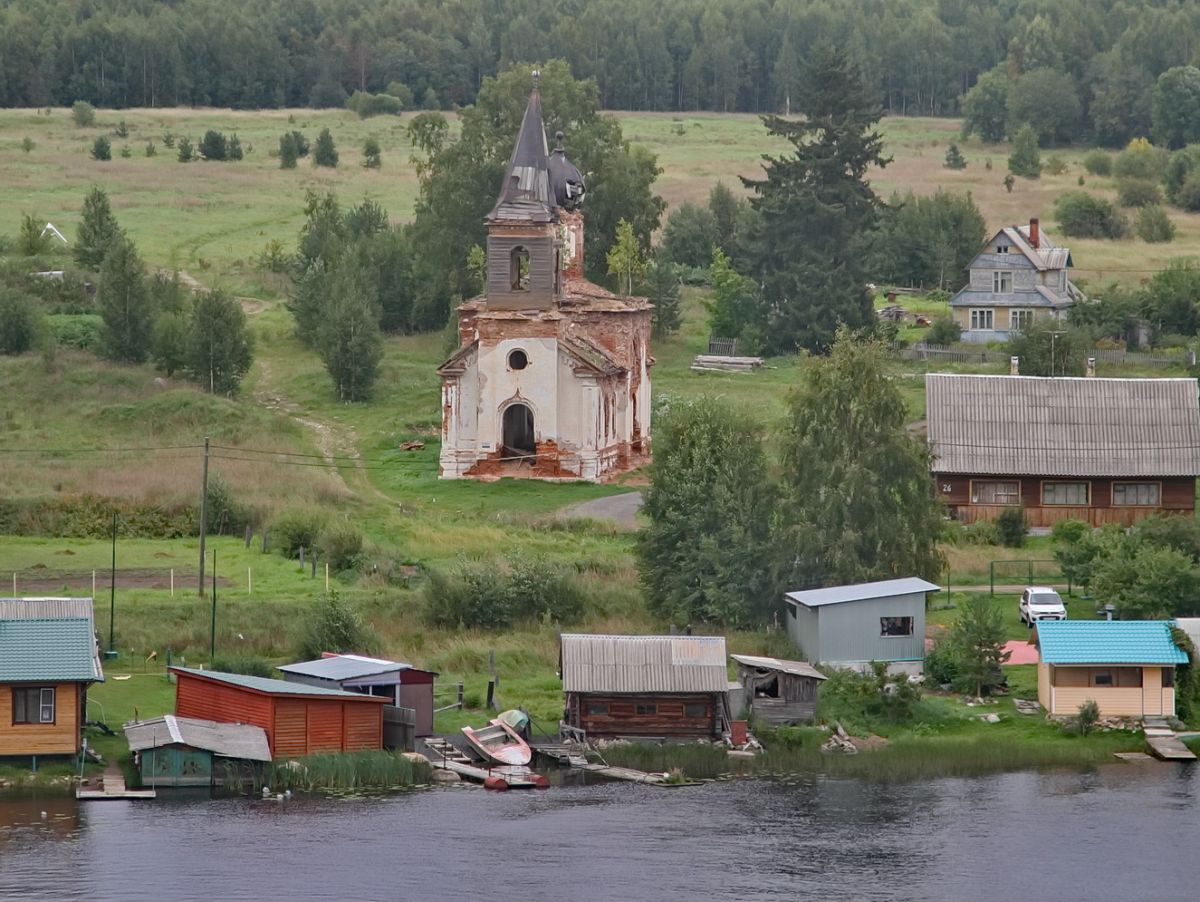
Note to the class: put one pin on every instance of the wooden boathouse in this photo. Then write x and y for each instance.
(779, 692)
(645, 686)
(298, 719)
(184, 751)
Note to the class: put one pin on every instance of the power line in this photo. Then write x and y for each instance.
(294, 463)
(99, 450)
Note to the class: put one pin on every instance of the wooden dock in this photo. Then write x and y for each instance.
(1166, 745)
(112, 789)
(625, 773)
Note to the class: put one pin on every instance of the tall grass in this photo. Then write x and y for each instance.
(353, 770)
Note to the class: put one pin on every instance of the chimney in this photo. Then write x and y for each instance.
(1091, 366)
(1014, 366)
(1035, 233)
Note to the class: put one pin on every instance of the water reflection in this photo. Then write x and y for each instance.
(1124, 832)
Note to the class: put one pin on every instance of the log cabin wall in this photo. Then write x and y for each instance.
(58, 738)
(649, 714)
(1177, 495)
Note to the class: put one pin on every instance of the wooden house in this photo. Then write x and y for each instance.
(850, 626)
(48, 658)
(184, 751)
(779, 692)
(645, 686)
(1097, 450)
(1019, 277)
(1127, 667)
(298, 719)
(403, 685)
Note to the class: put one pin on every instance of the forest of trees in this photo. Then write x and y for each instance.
(920, 56)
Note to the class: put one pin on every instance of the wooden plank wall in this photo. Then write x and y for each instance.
(58, 738)
(622, 718)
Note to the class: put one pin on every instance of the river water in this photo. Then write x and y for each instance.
(1125, 832)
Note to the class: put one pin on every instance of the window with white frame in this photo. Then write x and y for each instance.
(1066, 493)
(1002, 282)
(34, 705)
(983, 318)
(996, 492)
(1020, 320)
(1135, 494)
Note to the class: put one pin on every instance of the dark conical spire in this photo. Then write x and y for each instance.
(526, 192)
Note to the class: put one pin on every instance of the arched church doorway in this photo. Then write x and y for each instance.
(517, 431)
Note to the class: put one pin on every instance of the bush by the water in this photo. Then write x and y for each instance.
(331, 625)
(354, 770)
(856, 699)
(1088, 717)
(481, 595)
(1011, 527)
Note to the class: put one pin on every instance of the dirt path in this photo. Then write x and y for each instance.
(622, 509)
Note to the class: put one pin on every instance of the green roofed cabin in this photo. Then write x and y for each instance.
(48, 658)
(1127, 667)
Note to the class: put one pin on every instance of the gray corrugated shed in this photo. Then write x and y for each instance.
(909, 585)
(274, 687)
(1076, 427)
(344, 667)
(796, 668)
(229, 740)
(54, 608)
(643, 663)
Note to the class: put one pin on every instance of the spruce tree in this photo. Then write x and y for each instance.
(98, 230)
(662, 290)
(372, 154)
(125, 304)
(816, 208)
(101, 149)
(288, 152)
(324, 151)
(348, 337)
(1025, 159)
(219, 347)
(954, 158)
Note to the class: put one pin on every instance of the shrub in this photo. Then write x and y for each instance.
(83, 113)
(325, 153)
(1137, 192)
(27, 144)
(214, 146)
(341, 547)
(1025, 159)
(482, 596)
(983, 532)
(122, 130)
(287, 151)
(1097, 162)
(333, 626)
(1011, 526)
(1082, 215)
(295, 529)
(1088, 717)
(101, 148)
(187, 152)
(1187, 197)
(367, 105)
(1055, 165)
(954, 158)
(1069, 531)
(372, 158)
(151, 150)
(78, 330)
(861, 697)
(401, 92)
(1140, 160)
(247, 665)
(1179, 167)
(21, 323)
(1154, 226)
(944, 331)
(941, 664)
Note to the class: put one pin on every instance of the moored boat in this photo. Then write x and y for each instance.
(498, 742)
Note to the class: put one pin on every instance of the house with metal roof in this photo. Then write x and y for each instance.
(186, 751)
(403, 685)
(645, 686)
(46, 665)
(1019, 277)
(1098, 450)
(298, 719)
(777, 691)
(853, 625)
(1127, 667)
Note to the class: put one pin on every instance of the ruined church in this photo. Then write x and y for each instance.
(552, 377)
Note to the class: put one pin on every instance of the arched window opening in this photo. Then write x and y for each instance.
(518, 268)
(517, 435)
(518, 360)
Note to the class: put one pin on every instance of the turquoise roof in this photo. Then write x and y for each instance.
(1108, 642)
(274, 687)
(60, 650)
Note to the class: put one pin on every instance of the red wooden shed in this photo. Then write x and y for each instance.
(298, 719)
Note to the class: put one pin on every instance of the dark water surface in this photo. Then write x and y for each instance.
(1126, 832)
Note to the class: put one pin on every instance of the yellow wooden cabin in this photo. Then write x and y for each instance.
(48, 657)
(1127, 667)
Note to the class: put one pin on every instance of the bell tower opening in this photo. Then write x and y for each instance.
(518, 268)
(517, 432)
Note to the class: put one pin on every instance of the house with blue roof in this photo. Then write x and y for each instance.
(48, 658)
(1127, 667)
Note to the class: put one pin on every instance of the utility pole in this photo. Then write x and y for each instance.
(112, 592)
(212, 637)
(203, 514)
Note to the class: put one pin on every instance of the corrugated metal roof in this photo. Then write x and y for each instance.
(643, 663)
(814, 598)
(55, 608)
(796, 668)
(344, 667)
(274, 687)
(229, 740)
(1081, 427)
(48, 650)
(1033, 298)
(1108, 642)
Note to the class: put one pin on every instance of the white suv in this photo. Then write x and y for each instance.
(1041, 603)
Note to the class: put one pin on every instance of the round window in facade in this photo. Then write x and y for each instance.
(518, 360)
